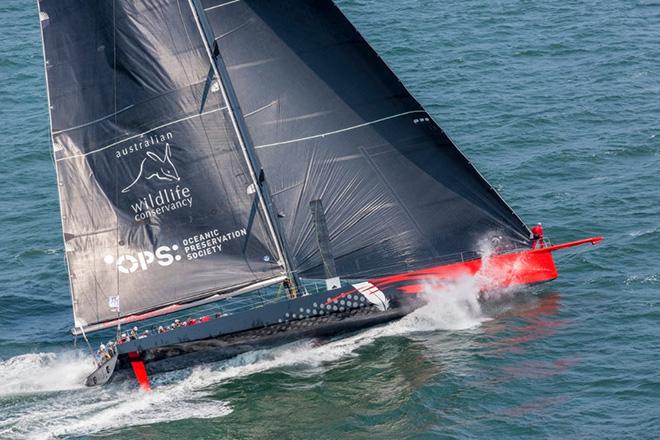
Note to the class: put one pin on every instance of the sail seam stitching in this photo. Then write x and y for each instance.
(221, 5)
(94, 121)
(140, 135)
(365, 124)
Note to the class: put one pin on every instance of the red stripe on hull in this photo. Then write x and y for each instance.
(498, 271)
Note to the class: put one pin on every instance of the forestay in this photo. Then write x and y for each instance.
(158, 204)
(330, 121)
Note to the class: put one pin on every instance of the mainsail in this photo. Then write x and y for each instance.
(159, 205)
(329, 121)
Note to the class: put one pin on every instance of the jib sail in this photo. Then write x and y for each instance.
(159, 206)
(330, 122)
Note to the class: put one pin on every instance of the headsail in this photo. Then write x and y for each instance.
(331, 122)
(158, 204)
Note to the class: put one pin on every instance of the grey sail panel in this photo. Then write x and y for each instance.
(330, 121)
(158, 206)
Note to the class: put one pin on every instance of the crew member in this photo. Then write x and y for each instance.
(287, 285)
(111, 348)
(537, 236)
(103, 354)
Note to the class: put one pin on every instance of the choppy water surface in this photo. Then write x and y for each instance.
(557, 103)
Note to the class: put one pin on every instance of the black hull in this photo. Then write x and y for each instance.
(311, 316)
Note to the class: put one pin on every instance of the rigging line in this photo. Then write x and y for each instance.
(114, 77)
(89, 346)
(221, 5)
(141, 134)
(103, 118)
(274, 144)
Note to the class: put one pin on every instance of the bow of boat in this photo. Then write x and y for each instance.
(516, 268)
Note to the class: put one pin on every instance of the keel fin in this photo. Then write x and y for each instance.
(139, 370)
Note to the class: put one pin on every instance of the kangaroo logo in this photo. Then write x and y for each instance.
(153, 166)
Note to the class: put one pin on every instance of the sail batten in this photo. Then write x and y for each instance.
(155, 194)
(341, 130)
(135, 136)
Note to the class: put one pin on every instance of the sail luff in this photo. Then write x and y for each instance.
(242, 133)
(43, 17)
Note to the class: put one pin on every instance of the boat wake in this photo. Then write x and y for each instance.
(53, 401)
(44, 372)
(43, 396)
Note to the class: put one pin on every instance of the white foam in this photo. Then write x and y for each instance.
(184, 394)
(44, 372)
(92, 410)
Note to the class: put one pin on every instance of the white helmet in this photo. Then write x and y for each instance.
(102, 347)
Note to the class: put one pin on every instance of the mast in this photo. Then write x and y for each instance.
(244, 139)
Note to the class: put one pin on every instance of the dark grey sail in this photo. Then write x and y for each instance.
(330, 121)
(159, 205)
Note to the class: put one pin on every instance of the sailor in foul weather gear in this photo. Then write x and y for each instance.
(103, 353)
(537, 236)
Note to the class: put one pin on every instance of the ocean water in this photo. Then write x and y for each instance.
(557, 103)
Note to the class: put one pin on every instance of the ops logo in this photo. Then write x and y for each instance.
(131, 263)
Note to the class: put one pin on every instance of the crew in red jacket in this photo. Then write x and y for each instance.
(537, 236)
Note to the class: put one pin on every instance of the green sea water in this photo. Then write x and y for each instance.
(556, 102)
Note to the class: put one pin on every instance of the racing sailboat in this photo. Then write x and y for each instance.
(213, 150)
